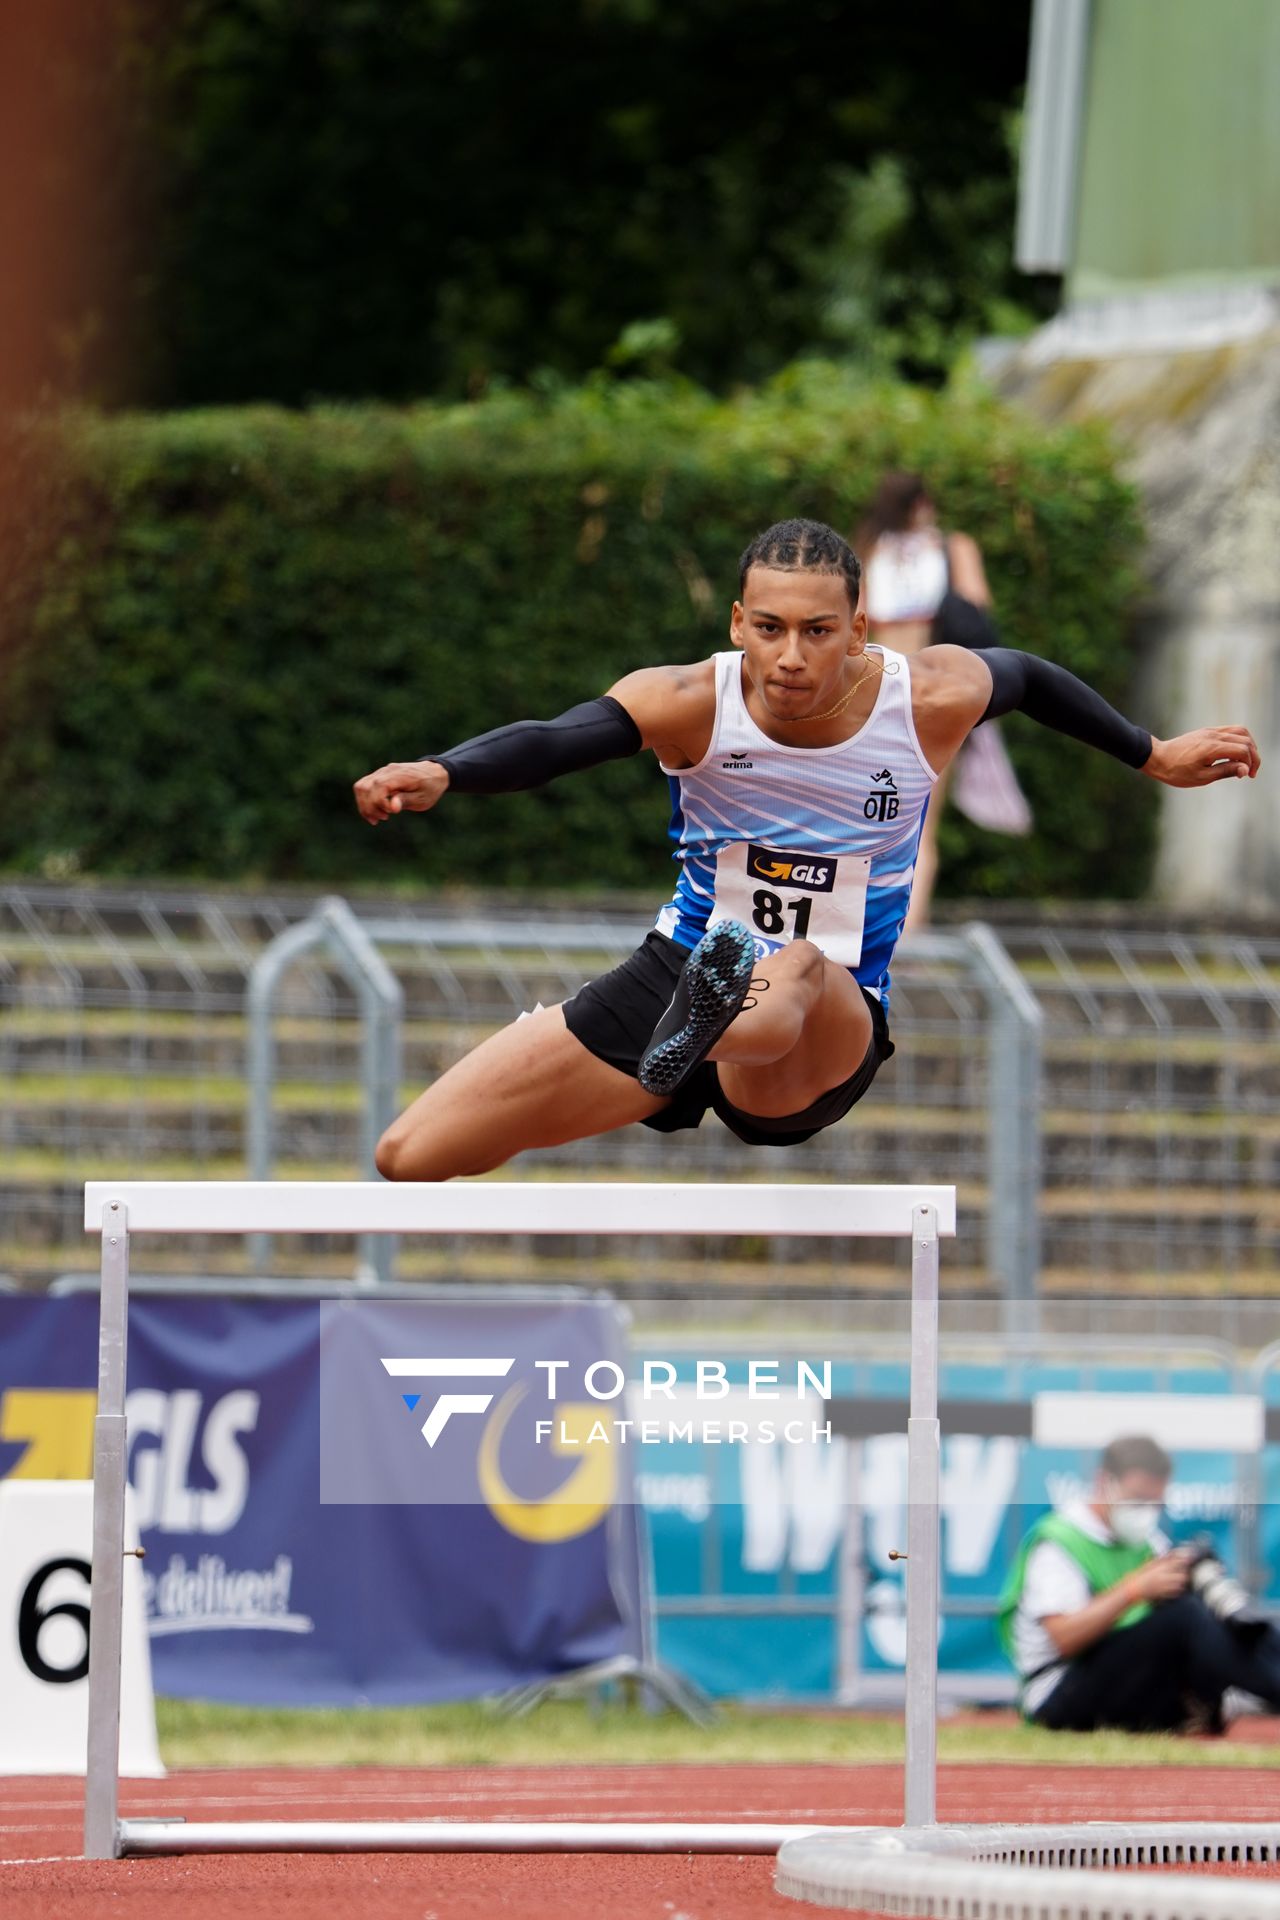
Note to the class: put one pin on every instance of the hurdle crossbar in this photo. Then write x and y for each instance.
(118, 1209)
(497, 1207)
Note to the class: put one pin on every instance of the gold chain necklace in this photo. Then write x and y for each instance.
(840, 705)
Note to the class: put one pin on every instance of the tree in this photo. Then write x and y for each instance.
(386, 198)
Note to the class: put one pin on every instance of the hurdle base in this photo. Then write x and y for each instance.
(664, 1683)
(178, 1835)
(1028, 1872)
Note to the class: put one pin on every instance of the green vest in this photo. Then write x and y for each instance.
(1102, 1563)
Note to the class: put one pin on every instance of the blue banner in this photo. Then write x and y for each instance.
(259, 1593)
(796, 1541)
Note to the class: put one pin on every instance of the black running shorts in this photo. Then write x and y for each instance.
(615, 1016)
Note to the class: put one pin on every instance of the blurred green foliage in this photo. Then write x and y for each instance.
(212, 622)
(350, 199)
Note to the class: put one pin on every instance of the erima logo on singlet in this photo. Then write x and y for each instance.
(815, 876)
(882, 802)
(736, 763)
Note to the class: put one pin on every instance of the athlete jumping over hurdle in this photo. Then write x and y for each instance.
(801, 764)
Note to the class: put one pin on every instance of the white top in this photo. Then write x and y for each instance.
(1055, 1583)
(906, 576)
(812, 842)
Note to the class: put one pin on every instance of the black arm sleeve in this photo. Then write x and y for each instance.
(532, 752)
(1025, 683)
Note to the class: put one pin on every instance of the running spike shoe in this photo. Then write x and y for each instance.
(708, 996)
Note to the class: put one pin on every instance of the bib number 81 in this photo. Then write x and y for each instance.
(768, 911)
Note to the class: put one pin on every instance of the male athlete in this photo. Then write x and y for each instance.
(801, 764)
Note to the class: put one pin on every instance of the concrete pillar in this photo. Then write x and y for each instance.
(1196, 415)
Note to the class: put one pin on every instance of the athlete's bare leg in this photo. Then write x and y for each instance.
(808, 1030)
(530, 1085)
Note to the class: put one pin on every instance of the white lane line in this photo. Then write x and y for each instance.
(374, 1779)
(648, 1808)
(187, 1802)
(447, 1796)
(460, 1798)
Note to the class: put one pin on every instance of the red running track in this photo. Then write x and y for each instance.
(42, 1877)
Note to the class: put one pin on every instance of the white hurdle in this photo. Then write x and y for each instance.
(116, 1210)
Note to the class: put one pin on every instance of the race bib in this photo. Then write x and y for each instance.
(794, 896)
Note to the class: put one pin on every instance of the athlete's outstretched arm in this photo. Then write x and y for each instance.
(1024, 683)
(971, 687)
(667, 708)
(508, 760)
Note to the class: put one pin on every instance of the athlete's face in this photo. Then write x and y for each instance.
(798, 632)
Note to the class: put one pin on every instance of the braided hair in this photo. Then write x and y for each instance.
(794, 546)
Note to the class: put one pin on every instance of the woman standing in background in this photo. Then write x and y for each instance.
(923, 585)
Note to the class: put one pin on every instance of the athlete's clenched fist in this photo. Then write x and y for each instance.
(406, 786)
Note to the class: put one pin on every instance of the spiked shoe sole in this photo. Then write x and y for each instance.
(708, 997)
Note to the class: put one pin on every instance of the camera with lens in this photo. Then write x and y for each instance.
(1223, 1595)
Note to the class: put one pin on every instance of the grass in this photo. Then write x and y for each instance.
(208, 1093)
(197, 1734)
(98, 1023)
(1186, 1045)
(227, 1093)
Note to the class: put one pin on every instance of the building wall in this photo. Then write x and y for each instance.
(1200, 434)
(1179, 180)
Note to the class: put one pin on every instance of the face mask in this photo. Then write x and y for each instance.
(1134, 1522)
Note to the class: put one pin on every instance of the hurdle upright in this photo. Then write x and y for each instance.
(118, 1209)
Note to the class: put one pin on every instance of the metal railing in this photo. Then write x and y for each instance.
(507, 959)
(381, 1002)
(1162, 1108)
(124, 1036)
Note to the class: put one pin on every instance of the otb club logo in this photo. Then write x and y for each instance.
(882, 802)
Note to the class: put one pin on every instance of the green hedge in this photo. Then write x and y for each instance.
(211, 623)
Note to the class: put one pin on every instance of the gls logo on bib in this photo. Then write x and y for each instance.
(784, 870)
(794, 896)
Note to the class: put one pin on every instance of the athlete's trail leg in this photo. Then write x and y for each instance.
(530, 1085)
(808, 1030)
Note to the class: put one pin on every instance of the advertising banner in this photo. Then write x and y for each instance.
(258, 1591)
(796, 1540)
(377, 1500)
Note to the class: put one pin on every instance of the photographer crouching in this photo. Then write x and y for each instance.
(1110, 1626)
